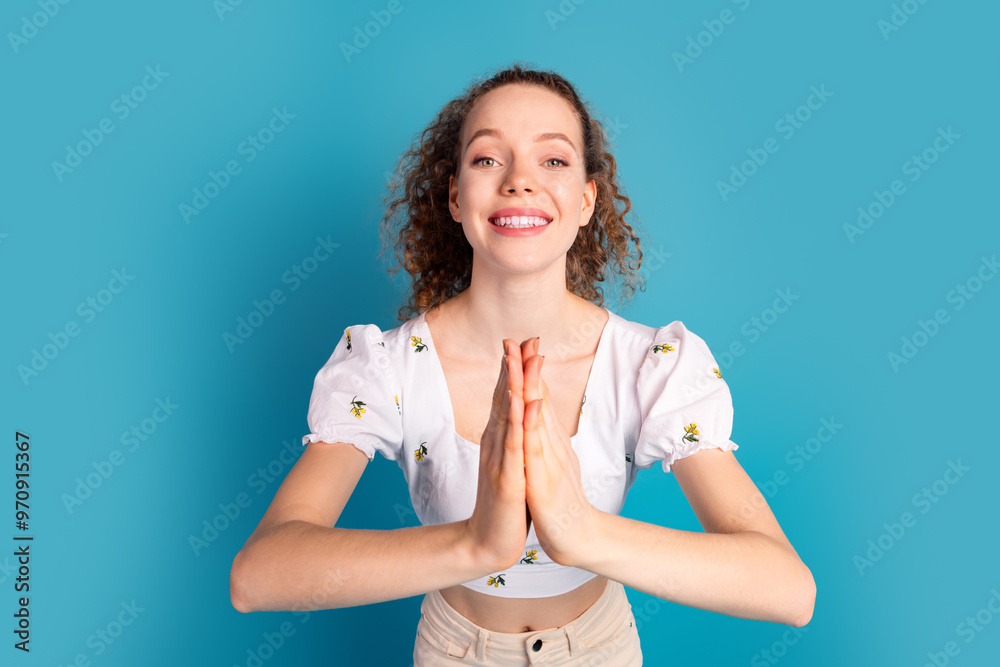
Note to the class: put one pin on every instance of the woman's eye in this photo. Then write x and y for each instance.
(483, 160)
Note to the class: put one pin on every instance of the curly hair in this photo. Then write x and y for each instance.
(434, 250)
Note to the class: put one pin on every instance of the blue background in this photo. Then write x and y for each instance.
(678, 129)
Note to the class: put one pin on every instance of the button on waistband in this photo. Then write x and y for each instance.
(537, 645)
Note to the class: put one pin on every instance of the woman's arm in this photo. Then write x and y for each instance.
(297, 560)
(743, 565)
(299, 565)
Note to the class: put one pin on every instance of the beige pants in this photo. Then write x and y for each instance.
(604, 635)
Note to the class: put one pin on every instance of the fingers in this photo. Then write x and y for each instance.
(532, 442)
(515, 371)
(501, 382)
(512, 466)
(490, 448)
(532, 375)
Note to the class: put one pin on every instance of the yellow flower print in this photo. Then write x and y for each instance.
(420, 452)
(496, 581)
(415, 342)
(690, 431)
(397, 404)
(718, 373)
(530, 556)
(663, 348)
(347, 333)
(357, 407)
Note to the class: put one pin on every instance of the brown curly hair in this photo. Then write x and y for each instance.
(433, 249)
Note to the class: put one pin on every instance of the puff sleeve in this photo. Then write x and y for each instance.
(355, 397)
(684, 404)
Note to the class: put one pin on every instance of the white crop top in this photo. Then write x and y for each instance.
(654, 394)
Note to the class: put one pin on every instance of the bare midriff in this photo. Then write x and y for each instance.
(512, 615)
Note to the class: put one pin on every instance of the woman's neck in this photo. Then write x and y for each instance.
(487, 312)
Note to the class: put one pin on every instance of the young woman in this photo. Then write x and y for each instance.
(513, 213)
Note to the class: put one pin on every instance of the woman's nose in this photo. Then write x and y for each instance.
(518, 178)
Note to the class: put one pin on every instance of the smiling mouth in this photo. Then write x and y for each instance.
(519, 221)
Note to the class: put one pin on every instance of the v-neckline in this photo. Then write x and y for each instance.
(443, 381)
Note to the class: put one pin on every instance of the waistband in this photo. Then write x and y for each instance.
(599, 623)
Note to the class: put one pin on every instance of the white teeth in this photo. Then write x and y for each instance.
(520, 221)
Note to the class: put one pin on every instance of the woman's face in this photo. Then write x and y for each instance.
(522, 148)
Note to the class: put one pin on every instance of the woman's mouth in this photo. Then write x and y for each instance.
(519, 221)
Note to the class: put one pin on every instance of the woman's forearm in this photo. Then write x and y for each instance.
(304, 566)
(747, 574)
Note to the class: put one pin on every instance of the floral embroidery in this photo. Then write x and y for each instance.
(718, 373)
(382, 343)
(690, 431)
(347, 332)
(420, 452)
(581, 404)
(628, 458)
(530, 556)
(496, 581)
(397, 404)
(663, 348)
(418, 346)
(357, 407)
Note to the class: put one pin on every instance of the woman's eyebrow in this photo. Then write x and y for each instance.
(544, 136)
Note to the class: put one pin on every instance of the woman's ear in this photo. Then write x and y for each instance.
(589, 202)
(453, 199)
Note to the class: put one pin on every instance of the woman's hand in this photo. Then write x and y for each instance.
(498, 529)
(554, 491)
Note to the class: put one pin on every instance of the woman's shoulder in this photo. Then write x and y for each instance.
(389, 339)
(639, 334)
(635, 341)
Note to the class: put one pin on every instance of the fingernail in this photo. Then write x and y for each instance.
(541, 362)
